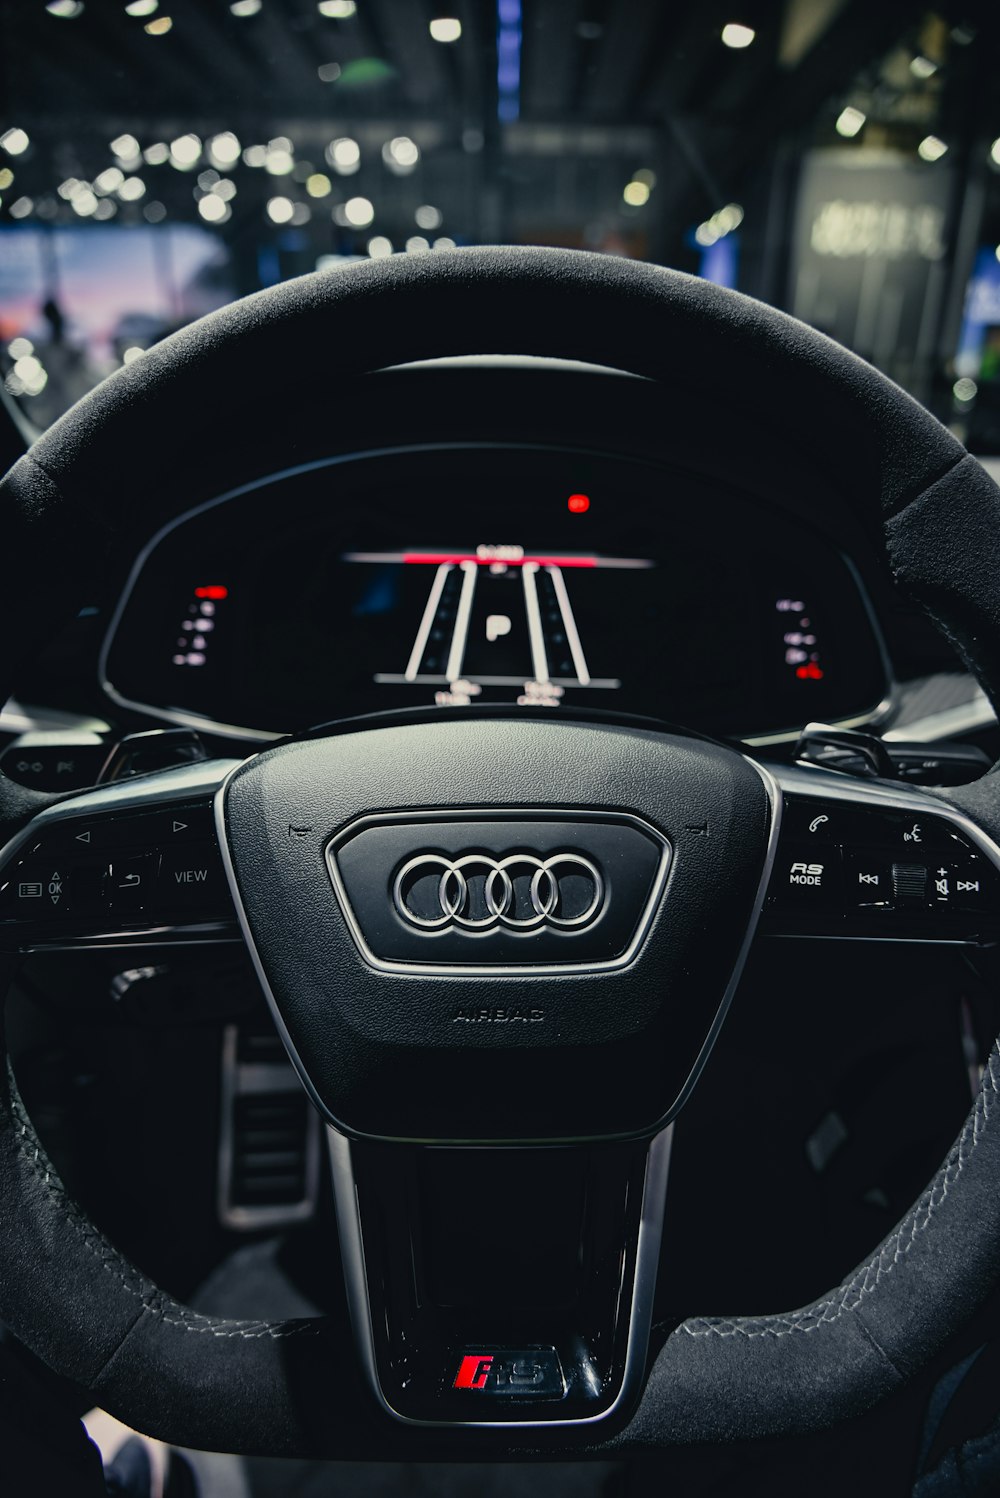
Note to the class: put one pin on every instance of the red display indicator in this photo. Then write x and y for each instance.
(809, 672)
(213, 590)
(457, 558)
(578, 504)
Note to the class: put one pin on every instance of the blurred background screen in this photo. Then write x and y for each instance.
(837, 158)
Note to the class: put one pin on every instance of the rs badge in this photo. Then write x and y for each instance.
(529, 1373)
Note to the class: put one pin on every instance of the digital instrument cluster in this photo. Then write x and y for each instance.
(453, 576)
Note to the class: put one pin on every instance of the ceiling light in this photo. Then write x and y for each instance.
(66, 10)
(14, 141)
(401, 154)
(142, 7)
(107, 181)
(344, 155)
(159, 27)
(125, 147)
(213, 210)
(6, 178)
(995, 151)
(705, 235)
(328, 72)
(379, 247)
(84, 202)
(428, 217)
(255, 155)
(226, 189)
(729, 218)
(224, 148)
(132, 189)
(737, 36)
(337, 10)
(849, 121)
(21, 207)
(244, 8)
(931, 148)
(922, 67)
(444, 243)
(636, 194)
(417, 245)
(446, 29)
(301, 214)
(184, 152)
(359, 212)
(105, 209)
(279, 163)
(157, 153)
(646, 176)
(318, 185)
(965, 389)
(20, 348)
(154, 212)
(280, 210)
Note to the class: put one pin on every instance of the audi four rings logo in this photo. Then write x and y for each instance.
(480, 893)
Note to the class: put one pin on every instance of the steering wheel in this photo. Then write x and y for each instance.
(498, 949)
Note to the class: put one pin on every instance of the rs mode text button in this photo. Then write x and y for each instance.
(808, 875)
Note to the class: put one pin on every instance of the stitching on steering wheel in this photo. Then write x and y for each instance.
(891, 1252)
(33, 1154)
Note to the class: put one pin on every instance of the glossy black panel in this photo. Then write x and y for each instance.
(501, 1283)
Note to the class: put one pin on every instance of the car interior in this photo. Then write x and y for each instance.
(499, 842)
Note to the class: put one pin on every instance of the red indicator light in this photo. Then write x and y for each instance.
(215, 590)
(809, 673)
(473, 1371)
(578, 504)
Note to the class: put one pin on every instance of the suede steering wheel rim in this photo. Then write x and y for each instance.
(265, 1387)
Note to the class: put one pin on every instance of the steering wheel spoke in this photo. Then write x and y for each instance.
(873, 861)
(129, 861)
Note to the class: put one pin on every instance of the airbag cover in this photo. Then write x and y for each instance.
(547, 1031)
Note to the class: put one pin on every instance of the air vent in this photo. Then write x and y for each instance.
(269, 1140)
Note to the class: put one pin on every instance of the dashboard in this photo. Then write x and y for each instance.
(529, 575)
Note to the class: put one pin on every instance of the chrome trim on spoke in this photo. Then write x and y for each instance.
(647, 1258)
(775, 798)
(242, 1079)
(205, 934)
